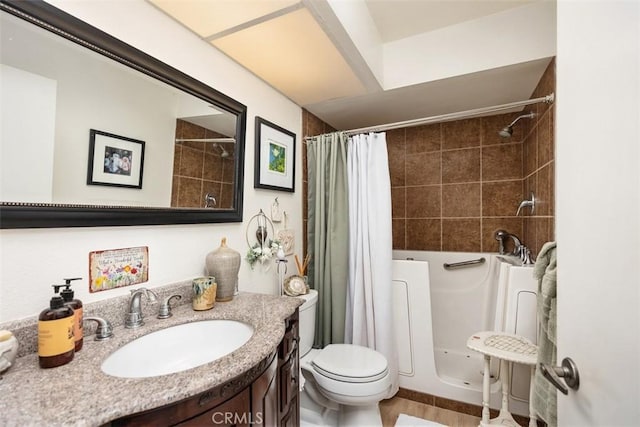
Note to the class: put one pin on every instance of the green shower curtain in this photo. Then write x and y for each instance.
(328, 226)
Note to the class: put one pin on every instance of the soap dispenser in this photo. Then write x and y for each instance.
(55, 334)
(76, 305)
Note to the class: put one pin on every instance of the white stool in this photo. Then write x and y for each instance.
(508, 348)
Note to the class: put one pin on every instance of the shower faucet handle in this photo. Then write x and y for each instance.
(527, 203)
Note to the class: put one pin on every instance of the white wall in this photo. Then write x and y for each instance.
(32, 260)
(510, 37)
(26, 157)
(598, 209)
(123, 104)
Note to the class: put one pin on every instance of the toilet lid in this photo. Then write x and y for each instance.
(350, 363)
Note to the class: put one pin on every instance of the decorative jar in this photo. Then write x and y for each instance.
(224, 264)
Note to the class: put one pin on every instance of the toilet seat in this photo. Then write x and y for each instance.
(350, 374)
(350, 363)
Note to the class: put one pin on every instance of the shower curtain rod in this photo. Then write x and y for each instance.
(449, 116)
(220, 140)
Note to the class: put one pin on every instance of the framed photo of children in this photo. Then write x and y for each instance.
(275, 157)
(115, 160)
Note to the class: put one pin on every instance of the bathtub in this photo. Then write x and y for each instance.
(436, 310)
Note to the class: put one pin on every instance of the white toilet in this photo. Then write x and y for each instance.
(341, 384)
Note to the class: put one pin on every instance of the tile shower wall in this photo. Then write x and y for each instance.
(539, 165)
(454, 184)
(199, 169)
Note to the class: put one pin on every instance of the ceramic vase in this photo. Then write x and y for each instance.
(224, 264)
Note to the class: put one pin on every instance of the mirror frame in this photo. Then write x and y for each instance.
(44, 215)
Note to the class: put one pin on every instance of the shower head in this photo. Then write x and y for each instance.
(507, 131)
(224, 153)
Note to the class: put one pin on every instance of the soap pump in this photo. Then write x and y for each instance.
(76, 305)
(55, 334)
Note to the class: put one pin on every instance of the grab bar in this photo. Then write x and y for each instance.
(463, 264)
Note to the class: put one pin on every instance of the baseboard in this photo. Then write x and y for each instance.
(454, 405)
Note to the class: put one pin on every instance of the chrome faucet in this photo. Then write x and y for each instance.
(519, 250)
(164, 312)
(500, 236)
(527, 258)
(133, 318)
(517, 245)
(104, 331)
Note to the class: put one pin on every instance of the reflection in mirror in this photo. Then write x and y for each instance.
(202, 167)
(54, 91)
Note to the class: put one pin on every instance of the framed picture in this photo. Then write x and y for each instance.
(115, 160)
(275, 157)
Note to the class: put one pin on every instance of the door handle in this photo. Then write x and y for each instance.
(568, 371)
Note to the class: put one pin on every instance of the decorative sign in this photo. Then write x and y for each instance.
(118, 267)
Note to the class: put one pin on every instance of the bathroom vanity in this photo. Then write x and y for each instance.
(265, 395)
(257, 384)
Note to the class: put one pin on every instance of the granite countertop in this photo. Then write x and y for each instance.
(80, 394)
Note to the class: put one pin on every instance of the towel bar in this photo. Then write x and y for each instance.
(463, 263)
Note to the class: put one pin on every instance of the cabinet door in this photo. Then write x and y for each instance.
(292, 418)
(288, 374)
(290, 340)
(235, 412)
(264, 397)
(288, 383)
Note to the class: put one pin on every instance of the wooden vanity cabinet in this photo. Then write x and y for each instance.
(289, 374)
(266, 395)
(232, 413)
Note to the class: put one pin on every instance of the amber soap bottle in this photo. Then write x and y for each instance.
(76, 305)
(55, 334)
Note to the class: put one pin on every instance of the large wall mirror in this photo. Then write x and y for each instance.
(97, 133)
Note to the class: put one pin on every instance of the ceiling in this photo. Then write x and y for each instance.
(356, 63)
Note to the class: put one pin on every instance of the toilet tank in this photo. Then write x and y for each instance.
(307, 322)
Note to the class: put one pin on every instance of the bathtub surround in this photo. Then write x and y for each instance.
(369, 316)
(434, 360)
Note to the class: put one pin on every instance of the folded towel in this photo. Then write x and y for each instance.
(545, 395)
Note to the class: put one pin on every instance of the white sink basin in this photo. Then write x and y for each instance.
(177, 348)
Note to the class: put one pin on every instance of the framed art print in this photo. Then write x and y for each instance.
(275, 157)
(115, 160)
